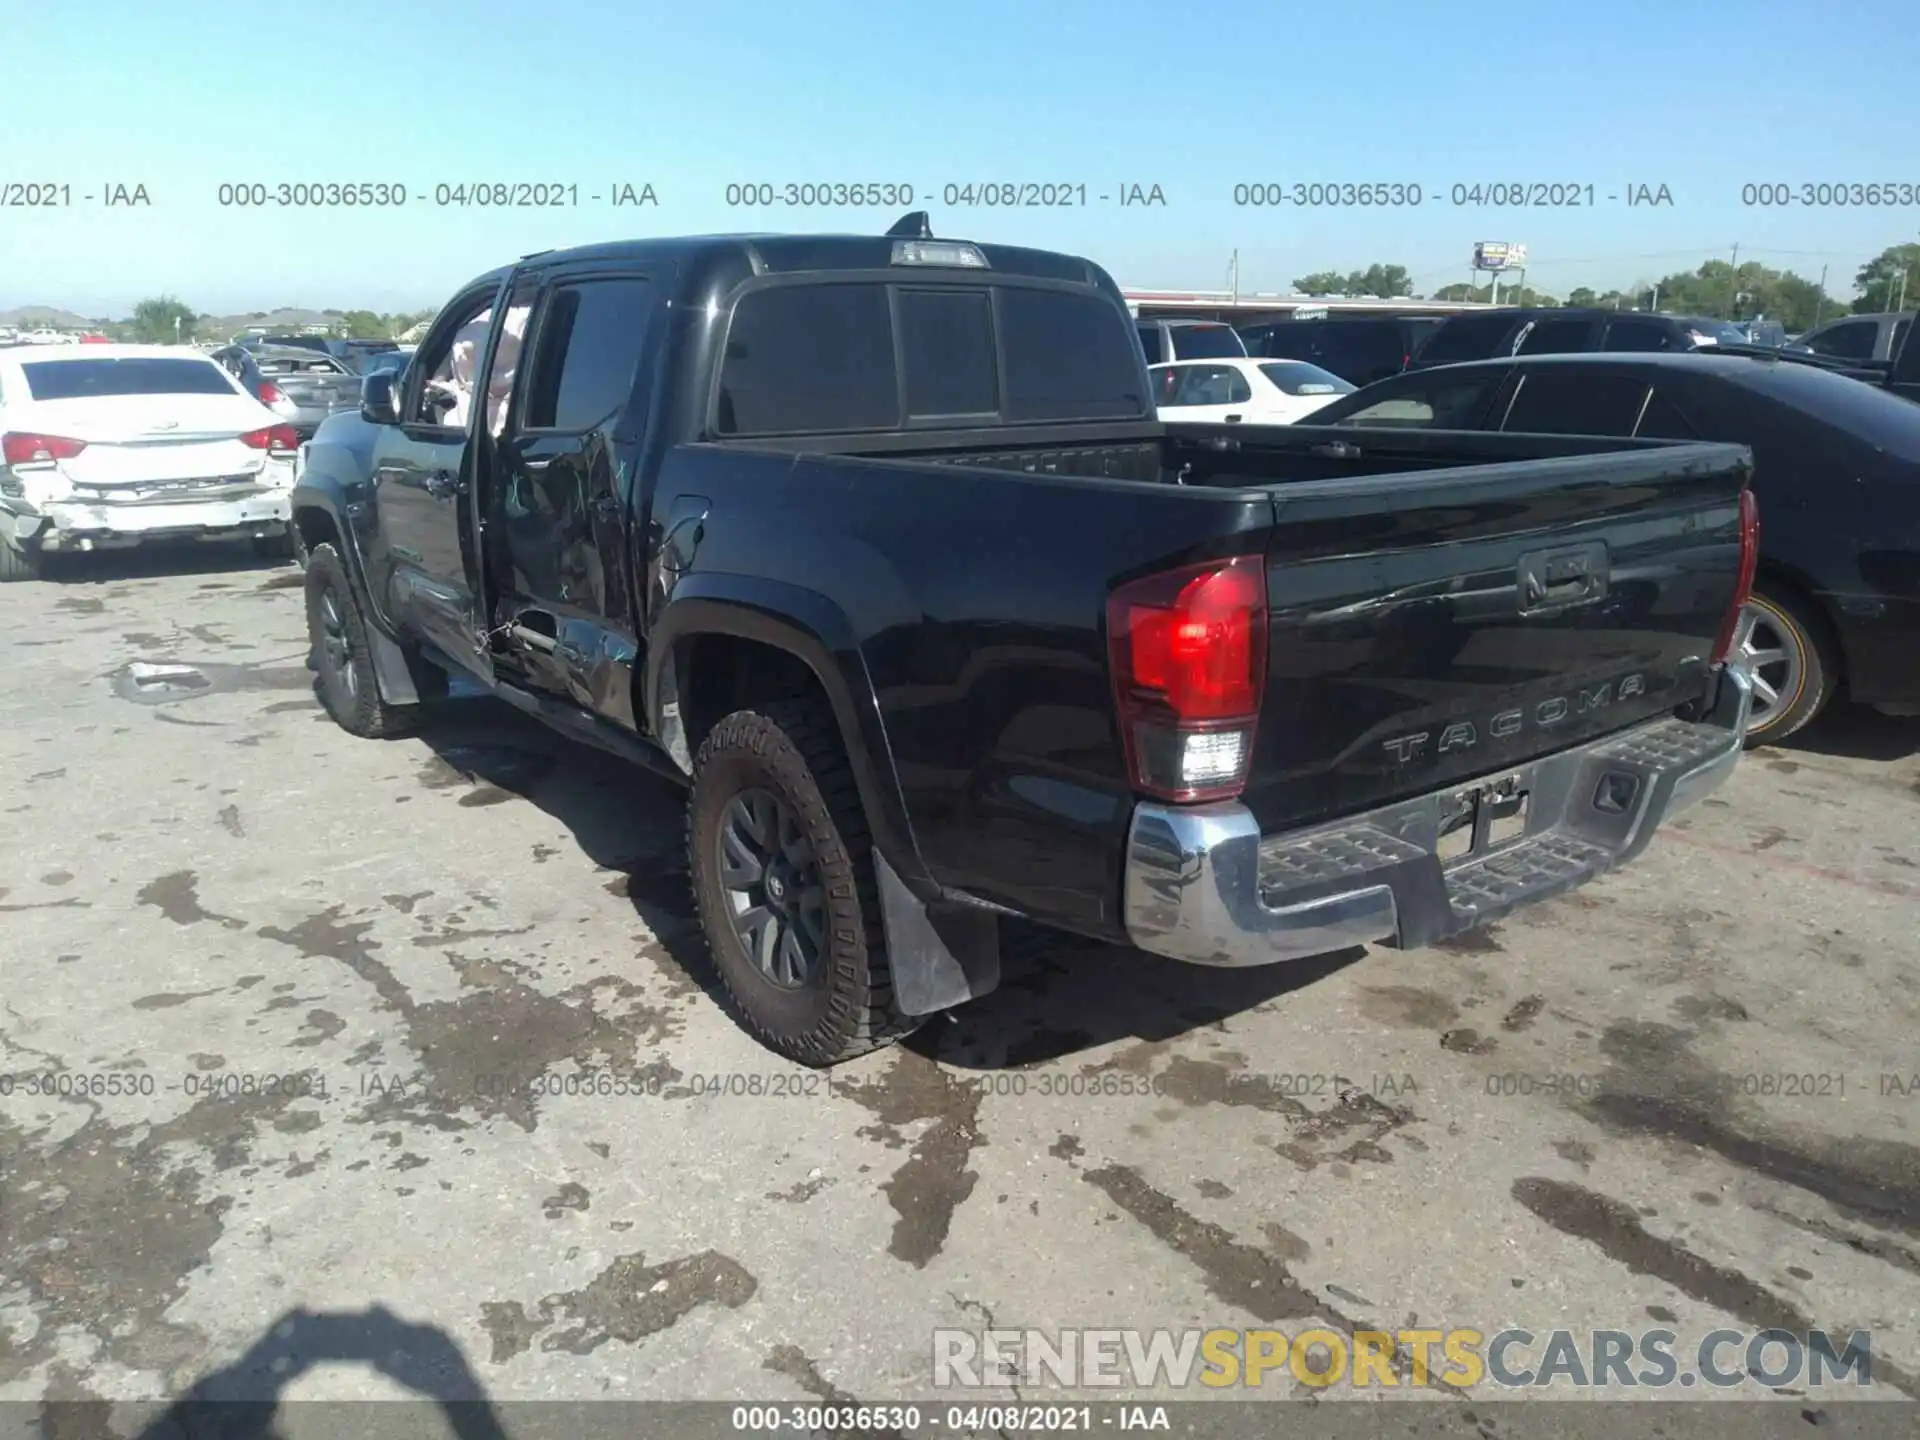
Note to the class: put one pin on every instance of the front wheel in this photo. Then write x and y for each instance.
(1794, 667)
(782, 871)
(341, 655)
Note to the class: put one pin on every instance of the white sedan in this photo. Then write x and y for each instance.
(1257, 392)
(106, 446)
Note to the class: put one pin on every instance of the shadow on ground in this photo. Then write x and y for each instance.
(241, 1401)
(158, 559)
(1059, 994)
(1856, 732)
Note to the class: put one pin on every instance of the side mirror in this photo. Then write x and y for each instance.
(377, 399)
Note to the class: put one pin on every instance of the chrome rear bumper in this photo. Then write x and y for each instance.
(1204, 885)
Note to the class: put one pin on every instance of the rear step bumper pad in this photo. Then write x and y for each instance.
(1203, 885)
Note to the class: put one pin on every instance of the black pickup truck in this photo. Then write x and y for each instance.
(876, 544)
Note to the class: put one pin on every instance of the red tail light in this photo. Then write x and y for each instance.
(1743, 587)
(23, 449)
(1188, 651)
(274, 437)
(270, 393)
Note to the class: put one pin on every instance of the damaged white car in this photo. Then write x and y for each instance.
(106, 446)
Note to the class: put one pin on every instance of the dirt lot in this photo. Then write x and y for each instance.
(1686, 1095)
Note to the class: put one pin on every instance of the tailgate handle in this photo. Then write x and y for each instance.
(1549, 579)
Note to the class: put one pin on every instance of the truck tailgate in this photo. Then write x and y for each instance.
(1442, 625)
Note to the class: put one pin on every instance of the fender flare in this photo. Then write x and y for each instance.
(940, 953)
(817, 632)
(325, 494)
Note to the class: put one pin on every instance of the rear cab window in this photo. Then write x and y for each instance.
(1570, 403)
(1438, 402)
(1468, 337)
(821, 357)
(1206, 342)
(133, 375)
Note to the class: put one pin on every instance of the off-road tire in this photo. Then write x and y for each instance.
(1815, 662)
(792, 749)
(356, 704)
(18, 563)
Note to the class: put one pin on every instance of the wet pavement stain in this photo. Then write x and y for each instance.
(78, 605)
(321, 1026)
(486, 795)
(1284, 1243)
(1655, 1087)
(934, 1181)
(1067, 1148)
(1481, 940)
(570, 1197)
(1875, 1247)
(801, 1191)
(1523, 1014)
(230, 821)
(1574, 1152)
(167, 1002)
(1698, 1009)
(1468, 1042)
(483, 1053)
(1237, 1274)
(1770, 837)
(405, 903)
(1615, 1229)
(1212, 1189)
(1408, 1006)
(794, 1363)
(627, 1302)
(105, 1227)
(176, 896)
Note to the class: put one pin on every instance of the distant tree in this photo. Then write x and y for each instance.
(1512, 293)
(1386, 281)
(162, 319)
(1321, 282)
(1582, 298)
(1891, 278)
(361, 325)
(1717, 289)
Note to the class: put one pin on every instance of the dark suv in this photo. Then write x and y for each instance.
(1162, 340)
(1359, 349)
(1496, 334)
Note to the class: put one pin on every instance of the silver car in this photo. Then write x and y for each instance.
(302, 386)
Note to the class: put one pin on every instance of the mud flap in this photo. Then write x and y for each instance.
(940, 956)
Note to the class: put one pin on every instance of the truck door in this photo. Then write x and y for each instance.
(421, 556)
(558, 507)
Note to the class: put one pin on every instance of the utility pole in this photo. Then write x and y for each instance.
(1233, 273)
(1820, 300)
(1733, 287)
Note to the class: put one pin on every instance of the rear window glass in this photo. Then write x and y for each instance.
(1467, 337)
(1557, 337)
(144, 375)
(947, 343)
(804, 358)
(820, 358)
(1066, 358)
(1298, 378)
(1206, 342)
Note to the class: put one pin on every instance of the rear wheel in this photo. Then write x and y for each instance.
(341, 655)
(1782, 641)
(19, 563)
(782, 871)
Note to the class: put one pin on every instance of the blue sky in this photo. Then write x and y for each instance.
(182, 95)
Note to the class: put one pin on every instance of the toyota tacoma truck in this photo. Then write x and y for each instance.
(875, 544)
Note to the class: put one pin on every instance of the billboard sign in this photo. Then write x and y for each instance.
(1498, 255)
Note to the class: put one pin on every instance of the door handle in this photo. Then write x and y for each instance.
(441, 484)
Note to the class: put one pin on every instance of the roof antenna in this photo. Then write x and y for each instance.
(914, 226)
